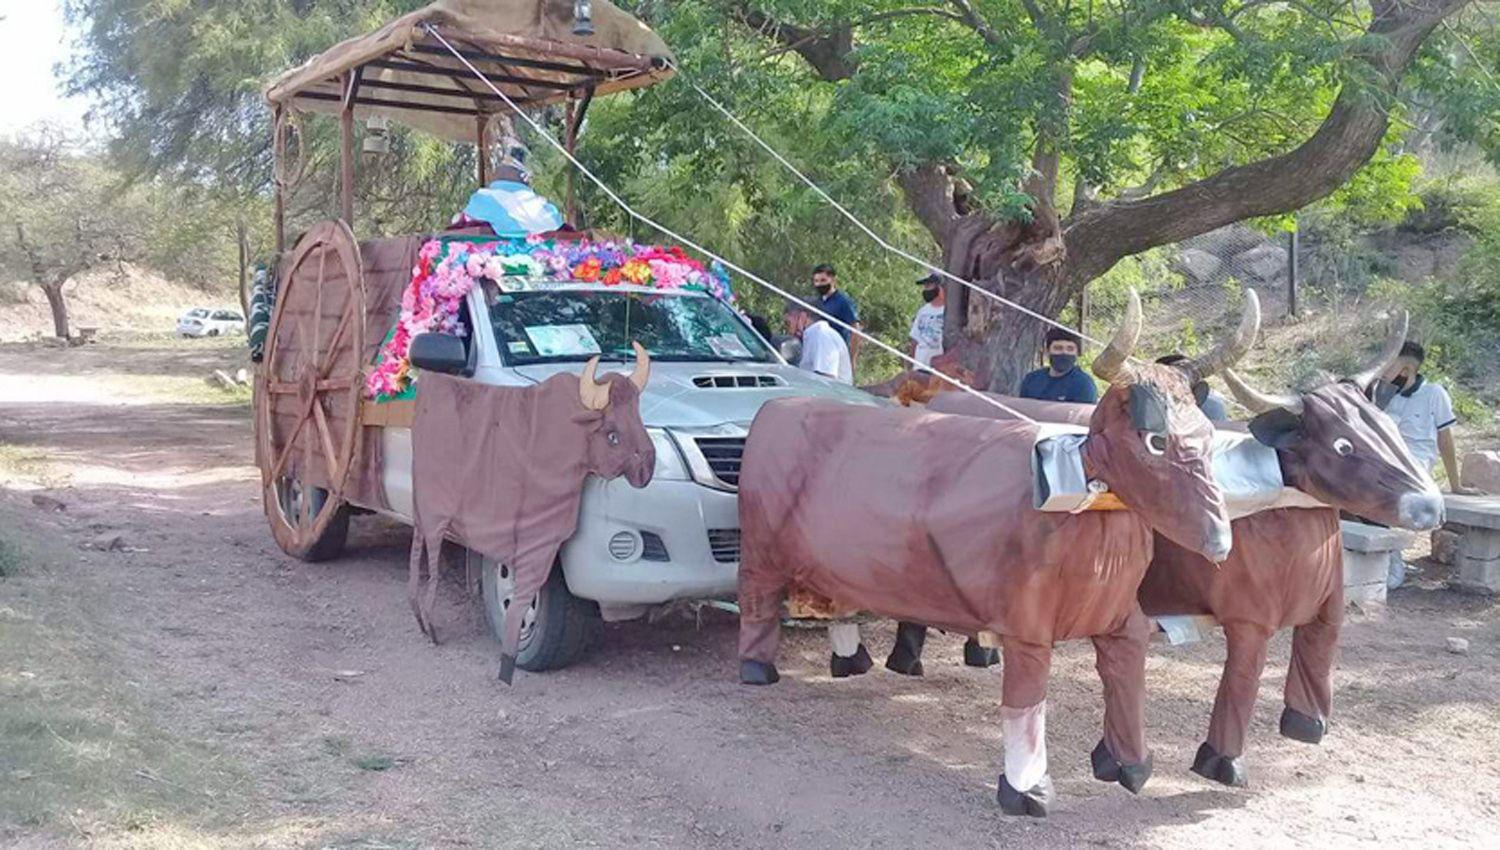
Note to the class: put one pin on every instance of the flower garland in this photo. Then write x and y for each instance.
(447, 269)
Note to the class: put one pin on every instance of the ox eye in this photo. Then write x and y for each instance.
(613, 438)
(1343, 447)
(1155, 443)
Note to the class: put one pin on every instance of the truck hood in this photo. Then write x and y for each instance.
(700, 395)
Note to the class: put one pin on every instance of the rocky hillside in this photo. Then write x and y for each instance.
(134, 300)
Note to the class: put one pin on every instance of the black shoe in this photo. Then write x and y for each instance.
(758, 673)
(855, 665)
(979, 656)
(1033, 803)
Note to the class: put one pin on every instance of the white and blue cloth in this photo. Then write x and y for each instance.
(513, 210)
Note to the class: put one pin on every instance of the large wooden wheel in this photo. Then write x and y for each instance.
(308, 392)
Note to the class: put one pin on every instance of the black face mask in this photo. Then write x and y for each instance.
(1200, 392)
(1399, 381)
(1384, 392)
(929, 295)
(823, 288)
(1062, 362)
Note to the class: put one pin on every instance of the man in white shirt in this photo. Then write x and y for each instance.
(1423, 413)
(823, 350)
(926, 339)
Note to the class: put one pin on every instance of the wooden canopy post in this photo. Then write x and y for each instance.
(346, 149)
(482, 143)
(278, 177)
(571, 141)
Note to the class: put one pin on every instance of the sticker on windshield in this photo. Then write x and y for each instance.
(519, 346)
(728, 345)
(562, 340)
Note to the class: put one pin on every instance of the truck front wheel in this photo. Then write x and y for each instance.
(558, 629)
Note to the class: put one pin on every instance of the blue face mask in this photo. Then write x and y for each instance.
(1062, 362)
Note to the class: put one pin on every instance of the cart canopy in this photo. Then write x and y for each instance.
(525, 47)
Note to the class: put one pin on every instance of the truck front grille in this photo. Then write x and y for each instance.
(724, 543)
(723, 456)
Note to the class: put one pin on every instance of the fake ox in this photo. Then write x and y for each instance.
(929, 518)
(510, 490)
(1286, 568)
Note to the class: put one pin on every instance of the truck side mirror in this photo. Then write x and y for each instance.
(441, 353)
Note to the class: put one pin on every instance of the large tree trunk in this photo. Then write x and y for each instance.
(54, 293)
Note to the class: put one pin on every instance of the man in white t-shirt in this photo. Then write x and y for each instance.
(926, 339)
(823, 349)
(1423, 413)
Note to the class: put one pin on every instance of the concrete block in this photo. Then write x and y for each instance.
(1481, 470)
(1361, 568)
(1366, 594)
(1478, 576)
(1359, 537)
(1473, 511)
(1479, 544)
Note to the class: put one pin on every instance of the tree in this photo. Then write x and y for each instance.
(60, 215)
(1031, 143)
(1039, 142)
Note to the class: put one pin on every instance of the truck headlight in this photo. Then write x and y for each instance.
(669, 463)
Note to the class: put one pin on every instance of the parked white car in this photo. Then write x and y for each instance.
(202, 321)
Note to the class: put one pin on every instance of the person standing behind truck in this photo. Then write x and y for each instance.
(926, 339)
(1060, 379)
(823, 350)
(837, 303)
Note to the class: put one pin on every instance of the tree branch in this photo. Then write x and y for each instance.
(969, 15)
(1345, 141)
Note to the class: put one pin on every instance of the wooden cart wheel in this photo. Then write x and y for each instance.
(308, 392)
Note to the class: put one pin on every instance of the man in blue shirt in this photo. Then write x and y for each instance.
(1060, 379)
(836, 303)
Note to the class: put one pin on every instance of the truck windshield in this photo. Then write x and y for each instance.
(566, 325)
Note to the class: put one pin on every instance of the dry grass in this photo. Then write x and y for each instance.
(80, 758)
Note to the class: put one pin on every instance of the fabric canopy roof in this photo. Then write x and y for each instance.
(525, 47)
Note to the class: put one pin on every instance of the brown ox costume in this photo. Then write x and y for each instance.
(501, 470)
(929, 517)
(1286, 568)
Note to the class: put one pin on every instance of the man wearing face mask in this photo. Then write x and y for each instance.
(926, 339)
(837, 303)
(1060, 379)
(1422, 410)
(1211, 403)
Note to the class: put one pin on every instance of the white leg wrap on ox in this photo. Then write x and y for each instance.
(845, 639)
(1024, 731)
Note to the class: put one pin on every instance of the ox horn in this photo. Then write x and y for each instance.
(1257, 401)
(594, 395)
(1394, 339)
(642, 372)
(1229, 351)
(1111, 364)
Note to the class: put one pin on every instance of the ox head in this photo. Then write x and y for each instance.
(617, 443)
(1152, 445)
(1337, 446)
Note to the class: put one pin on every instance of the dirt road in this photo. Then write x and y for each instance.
(193, 686)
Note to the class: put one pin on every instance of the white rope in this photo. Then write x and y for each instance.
(620, 202)
(973, 287)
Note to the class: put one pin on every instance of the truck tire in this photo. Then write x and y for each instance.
(559, 629)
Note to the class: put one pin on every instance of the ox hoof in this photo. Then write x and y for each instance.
(857, 664)
(1132, 777)
(901, 660)
(758, 673)
(1300, 727)
(1226, 771)
(979, 656)
(1033, 803)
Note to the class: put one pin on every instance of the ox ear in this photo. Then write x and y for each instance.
(1278, 428)
(1148, 409)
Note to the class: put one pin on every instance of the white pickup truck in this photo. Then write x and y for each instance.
(676, 539)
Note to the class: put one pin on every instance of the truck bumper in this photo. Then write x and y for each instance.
(688, 569)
